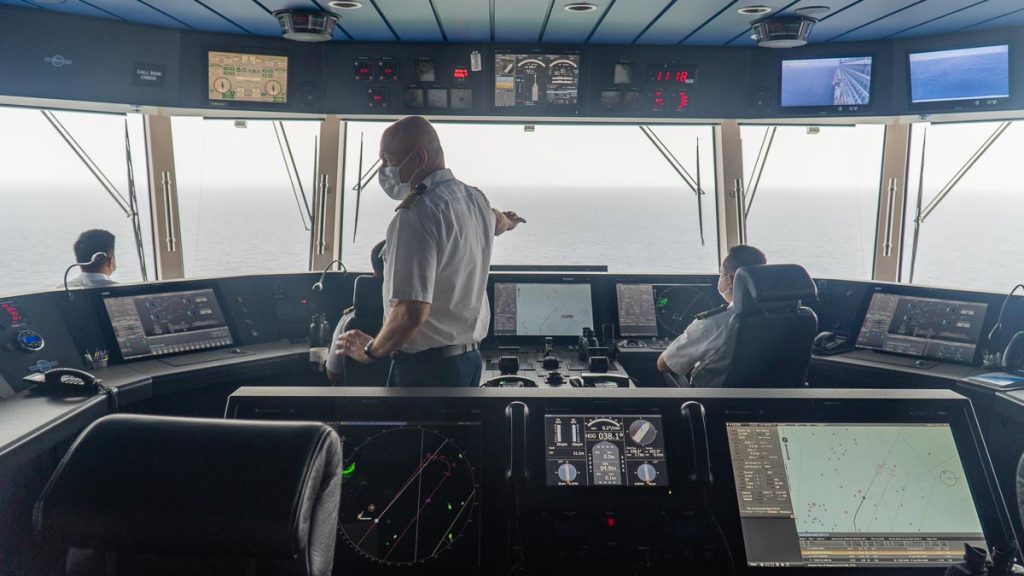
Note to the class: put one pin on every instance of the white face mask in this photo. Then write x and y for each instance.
(390, 180)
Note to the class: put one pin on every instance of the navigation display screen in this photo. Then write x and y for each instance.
(602, 450)
(150, 325)
(542, 309)
(248, 77)
(662, 309)
(981, 73)
(536, 80)
(851, 495)
(820, 82)
(945, 330)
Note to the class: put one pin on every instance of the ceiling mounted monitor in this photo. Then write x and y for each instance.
(840, 84)
(254, 78)
(977, 76)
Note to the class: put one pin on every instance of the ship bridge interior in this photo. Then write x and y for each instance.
(182, 405)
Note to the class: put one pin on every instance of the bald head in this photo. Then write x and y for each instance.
(412, 143)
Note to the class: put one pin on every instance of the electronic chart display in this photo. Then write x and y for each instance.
(980, 73)
(605, 450)
(851, 495)
(248, 77)
(536, 80)
(826, 82)
(662, 309)
(150, 325)
(542, 309)
(945, 330)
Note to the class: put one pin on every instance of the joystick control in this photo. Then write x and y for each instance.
(551, 363)
(555, 378)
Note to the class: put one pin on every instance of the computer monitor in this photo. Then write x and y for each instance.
(148, 325)
(851, 495)
(242, 77)
(946, 330)
(665, 310)
(605, 450)
(524, 81)
(826, 82)
(549, 309)
(980, 73)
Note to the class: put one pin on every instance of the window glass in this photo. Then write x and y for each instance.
(594, 195)
(817, 200)
(971, 238)
(239, 212)
(49, 196)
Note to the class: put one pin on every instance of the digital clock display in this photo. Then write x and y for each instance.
(11, 316)
(671, 74)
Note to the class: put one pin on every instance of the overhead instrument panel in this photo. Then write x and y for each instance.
(410, 494)
(529, 81)
(593, 450)
(238, 77)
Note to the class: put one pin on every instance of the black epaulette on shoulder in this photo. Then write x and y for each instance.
(712, 312)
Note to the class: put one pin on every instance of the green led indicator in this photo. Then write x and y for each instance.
(348, 470)
(450, 537)
(449, 506)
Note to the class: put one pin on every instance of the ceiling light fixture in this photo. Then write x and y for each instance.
(306, 25)
(345, 4)
(754, 10)
(580, 7)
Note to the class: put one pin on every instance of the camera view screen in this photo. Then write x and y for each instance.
(826, 82)
(965, 74)
(595, 450)
(542, 309)
(167, 323)
(536, 80)
(850, 495)
(248, 77)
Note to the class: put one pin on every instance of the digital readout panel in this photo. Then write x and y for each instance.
(602, 450)
(248, 77)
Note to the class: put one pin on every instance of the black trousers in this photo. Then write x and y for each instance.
(430, 368)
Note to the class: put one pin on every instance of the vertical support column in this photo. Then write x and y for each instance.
(163, 198)
(891, 203)
(730, 187)
(328, 195)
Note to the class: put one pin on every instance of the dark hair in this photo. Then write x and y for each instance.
(377, 258)
(742, 255)
(91, 242)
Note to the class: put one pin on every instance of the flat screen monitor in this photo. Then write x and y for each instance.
(524, 81)
(238, 77)
(851, 495)
(946, 330)
(826, 82)
(980, 73)
(149, 325)
(665, 310)
(605, 450)
(542, 309)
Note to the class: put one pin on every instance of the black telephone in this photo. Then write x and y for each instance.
(509, 381)
(70, 381)
(829, 343)
(591, 380)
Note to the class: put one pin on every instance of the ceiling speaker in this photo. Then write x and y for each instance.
(782, 31)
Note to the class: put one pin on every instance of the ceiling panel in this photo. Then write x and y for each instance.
(626, 19)
(136, 11)
(247, 15)
(519, 20)
(195, 15)
(730, 23)
(858, 14)
(70, 7)
(909, 17)
(1015, 18)
(967, 17)
(574, 27)
(682, 19)
(413, 20)
(364, 24)
(465, 20)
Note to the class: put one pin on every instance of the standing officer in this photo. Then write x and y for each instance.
(436, 260)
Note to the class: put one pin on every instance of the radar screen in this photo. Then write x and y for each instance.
(409, 496)
(598, 450)
(248, 77)
(663, 310)
(536, 80)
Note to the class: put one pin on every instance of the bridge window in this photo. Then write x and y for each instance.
(817, 198)
(969, 235)
(239, 211)
(49, 196)
(592, 195)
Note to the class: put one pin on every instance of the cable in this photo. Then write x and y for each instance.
(319, 286)
(999, 321)
(96, 258)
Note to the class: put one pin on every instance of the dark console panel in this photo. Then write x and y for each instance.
(644, 481)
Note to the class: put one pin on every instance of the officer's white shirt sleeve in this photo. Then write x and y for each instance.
(685, 351)
(415, 258)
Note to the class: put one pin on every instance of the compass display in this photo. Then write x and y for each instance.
(410, 494)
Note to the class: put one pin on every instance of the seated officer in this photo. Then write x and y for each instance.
(707, 333)
(97, 274)
(335, 364)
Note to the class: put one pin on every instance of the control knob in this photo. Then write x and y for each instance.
(30, 341)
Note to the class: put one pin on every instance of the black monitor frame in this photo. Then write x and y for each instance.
(832, 109)
(965, 104)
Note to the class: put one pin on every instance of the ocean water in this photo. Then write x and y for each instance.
(976, 76)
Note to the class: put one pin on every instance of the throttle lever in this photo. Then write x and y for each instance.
(517, 416)
(694, 418)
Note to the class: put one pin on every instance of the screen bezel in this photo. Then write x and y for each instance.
(289, 100)
(546, 109)
(964, 103)
(520, 339)
(845, 108)
(111, 336)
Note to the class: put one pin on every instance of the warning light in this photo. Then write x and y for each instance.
(460, 73)
(609, 522)
(659, 101)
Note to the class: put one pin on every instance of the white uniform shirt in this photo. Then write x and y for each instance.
(701, 338)
(89, 280)
(438, 251)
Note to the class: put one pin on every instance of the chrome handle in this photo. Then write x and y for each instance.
(889, 218)
(741, 206)
(165, 179)
(321, 244)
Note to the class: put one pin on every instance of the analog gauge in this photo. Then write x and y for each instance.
(567, 472)
(646, 473)
(222, 85)
(642, 432)
(273, 88)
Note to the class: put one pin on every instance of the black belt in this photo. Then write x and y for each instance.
(440, 352)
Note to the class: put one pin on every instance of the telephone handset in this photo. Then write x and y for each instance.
(70, 380)
(590, 380)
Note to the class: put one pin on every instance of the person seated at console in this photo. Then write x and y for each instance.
(708, 331)
(335, 361)
(96, 246)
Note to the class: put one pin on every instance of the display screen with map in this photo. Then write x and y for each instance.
(248, 77)
(542, 309)
(536, 80)
(842, 495)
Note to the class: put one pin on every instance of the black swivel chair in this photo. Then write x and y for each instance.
(368, 316)
(148, 495)
(768, 343)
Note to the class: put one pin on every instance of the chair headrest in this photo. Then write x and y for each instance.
(366, 294)
(755, 286)
(159, 485)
